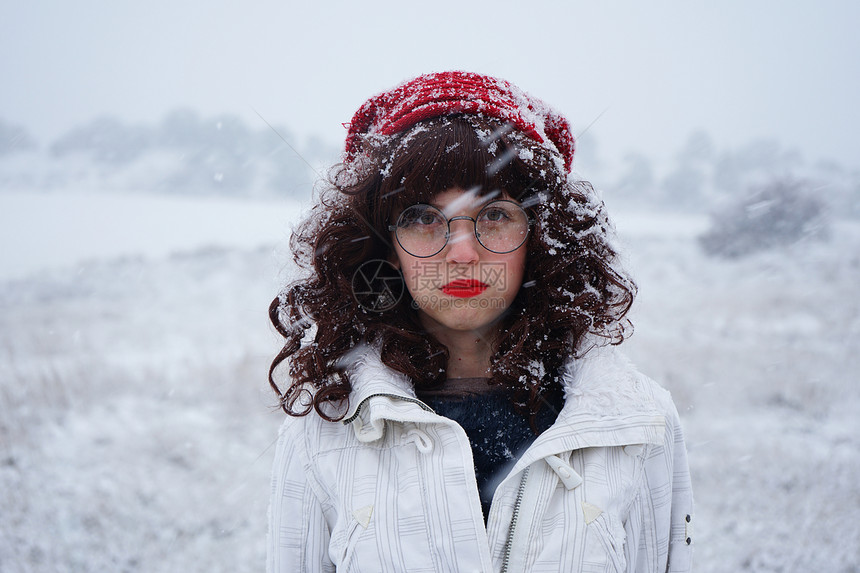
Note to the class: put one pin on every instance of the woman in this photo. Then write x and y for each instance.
(455, 400)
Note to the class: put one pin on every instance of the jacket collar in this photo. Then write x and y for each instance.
(607, 403)
(379, 394)
(369, 375)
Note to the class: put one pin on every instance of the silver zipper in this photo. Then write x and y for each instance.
(395, 396)
(517, 504)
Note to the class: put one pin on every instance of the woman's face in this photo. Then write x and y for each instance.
(463, 287)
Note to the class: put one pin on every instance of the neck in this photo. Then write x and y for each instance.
(469, 352)
(471, 360)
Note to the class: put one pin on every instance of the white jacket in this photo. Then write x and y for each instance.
(392, 487)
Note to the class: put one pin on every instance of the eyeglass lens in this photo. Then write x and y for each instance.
(423, 230)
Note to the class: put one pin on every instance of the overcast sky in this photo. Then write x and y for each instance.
(655, 70)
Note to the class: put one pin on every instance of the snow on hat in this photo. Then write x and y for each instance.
(444, 93)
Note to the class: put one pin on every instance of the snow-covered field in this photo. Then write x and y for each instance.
(136, 423)
(761, 356)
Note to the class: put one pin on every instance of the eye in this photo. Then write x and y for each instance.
(427, 218)
(420, 217)
(497, 213)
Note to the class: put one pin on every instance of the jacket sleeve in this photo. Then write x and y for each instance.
(299, 535)
(681, 528)
(659, 531)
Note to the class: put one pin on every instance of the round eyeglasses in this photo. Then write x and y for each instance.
(423, 230)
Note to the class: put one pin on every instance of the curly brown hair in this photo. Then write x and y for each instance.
(573, 291)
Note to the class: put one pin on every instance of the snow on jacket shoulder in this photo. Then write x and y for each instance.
(392, 487)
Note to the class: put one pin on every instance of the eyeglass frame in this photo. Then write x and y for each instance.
(529, 223)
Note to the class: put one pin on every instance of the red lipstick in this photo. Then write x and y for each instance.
(464, 288)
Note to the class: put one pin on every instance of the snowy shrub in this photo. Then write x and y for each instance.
(107, 140)
(776, 214)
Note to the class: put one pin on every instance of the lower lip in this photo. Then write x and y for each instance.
(464, 292)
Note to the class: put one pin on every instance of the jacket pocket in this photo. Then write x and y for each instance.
(354, 530)
(605, 542)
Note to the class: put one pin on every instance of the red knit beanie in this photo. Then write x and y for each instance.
(444, 93)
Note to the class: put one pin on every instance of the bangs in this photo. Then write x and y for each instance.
(482, 155)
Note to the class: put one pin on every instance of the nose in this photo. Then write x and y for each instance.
(462, 244)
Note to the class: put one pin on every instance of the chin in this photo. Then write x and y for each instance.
(458, 319)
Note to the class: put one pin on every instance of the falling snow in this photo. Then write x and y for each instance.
(136, 420)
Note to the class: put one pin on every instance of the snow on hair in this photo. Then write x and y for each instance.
(573, 293)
